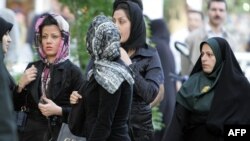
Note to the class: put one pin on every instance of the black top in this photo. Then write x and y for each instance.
(107, 114)
(148, 74)
(65, 78)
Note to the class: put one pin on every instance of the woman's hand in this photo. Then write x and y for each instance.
(28, 76)
(74, 97)
(124, 57)
(49, 108)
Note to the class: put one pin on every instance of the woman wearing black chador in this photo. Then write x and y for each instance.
(216, 94)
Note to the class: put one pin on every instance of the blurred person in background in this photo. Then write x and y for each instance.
(66, 13)
(25, 52)
(11, 56)
(248, 46)
(195, 20)
(217, 13)
(160, 37)
(8, 130)
(55, 7)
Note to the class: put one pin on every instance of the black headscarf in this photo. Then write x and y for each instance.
(139, 2)
(159, 29)
(4, 27)
(137, 38)
(197, 93)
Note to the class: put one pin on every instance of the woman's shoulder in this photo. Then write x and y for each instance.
(72, 66)
(147, 51)
(151, 48)
(35, 63)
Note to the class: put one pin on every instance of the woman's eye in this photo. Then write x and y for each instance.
(210, 54)
(44, 37)
(202, 54)
(122, 21)
(55, 36)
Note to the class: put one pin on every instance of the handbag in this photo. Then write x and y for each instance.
(77, 116)
(66, 135)
(21, 116)
(76, 119)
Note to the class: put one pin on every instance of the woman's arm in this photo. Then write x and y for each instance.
(147, 85)
(159, 97)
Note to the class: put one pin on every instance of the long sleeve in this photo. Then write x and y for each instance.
(148, 77)
(108, 104)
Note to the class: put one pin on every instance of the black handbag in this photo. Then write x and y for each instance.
(77, 115)
(77, 118)
(21, 116)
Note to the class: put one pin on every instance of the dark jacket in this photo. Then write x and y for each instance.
(107, 114)
(65, 78)
(148, 73)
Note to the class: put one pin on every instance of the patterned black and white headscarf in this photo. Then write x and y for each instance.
(103, 43)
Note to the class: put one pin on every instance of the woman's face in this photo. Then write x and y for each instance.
(122, 22)
(51, 38)
(6, 42)
(208, 59)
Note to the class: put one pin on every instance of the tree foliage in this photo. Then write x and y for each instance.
(84, 11)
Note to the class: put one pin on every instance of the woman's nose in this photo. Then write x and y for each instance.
(49, 40)
(204, 58)
(9, 39)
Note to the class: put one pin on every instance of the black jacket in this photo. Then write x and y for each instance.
(147, 69)
(65, 78)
